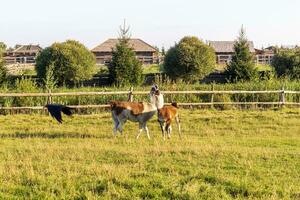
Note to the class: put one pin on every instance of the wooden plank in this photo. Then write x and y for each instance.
(141, 93)
(291, 92)
(179, 104)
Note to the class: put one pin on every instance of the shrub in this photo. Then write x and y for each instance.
(222, 98)
(287, 63)
(189, 60)
(26, 85)
(71, 61)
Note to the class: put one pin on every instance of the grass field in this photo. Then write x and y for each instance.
(223, 155)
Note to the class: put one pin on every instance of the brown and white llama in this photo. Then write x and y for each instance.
(140, 112)
(166, 115)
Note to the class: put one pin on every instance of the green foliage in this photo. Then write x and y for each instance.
(150, 69)
(72, 62)
(190, 60)
(241, 67)
(29, 86)
(3, 70)
(287, 63)
(50, 81)
(125, 69)
(2, 47)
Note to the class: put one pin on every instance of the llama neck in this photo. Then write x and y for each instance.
(157, 101)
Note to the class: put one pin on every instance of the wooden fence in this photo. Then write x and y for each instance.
(281, 97)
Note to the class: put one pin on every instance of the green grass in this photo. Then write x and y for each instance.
(223, 155)
(150, 69)
(260, 67)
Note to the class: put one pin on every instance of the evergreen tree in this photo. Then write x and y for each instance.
(241, 67)
(125, 68)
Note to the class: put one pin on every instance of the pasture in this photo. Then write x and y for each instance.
(233, 154)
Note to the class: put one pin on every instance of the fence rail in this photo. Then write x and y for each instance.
(131, 93)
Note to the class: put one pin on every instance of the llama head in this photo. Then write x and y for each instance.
(154, 88)
(156, 97)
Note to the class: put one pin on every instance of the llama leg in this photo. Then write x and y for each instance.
(116, 123)
(164, 131)
(115, 128)
(120, 126)
(161, 127)
(140, 131)
(147, 131)
(178, 125)
(168, 129)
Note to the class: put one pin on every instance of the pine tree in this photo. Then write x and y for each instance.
(125, 69)
(241, 67)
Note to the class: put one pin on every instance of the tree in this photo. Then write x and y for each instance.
(2, 47)
(3, 70)
(70, 61)
(125, 68)
(190, 60)
(287, 63)
(242, 65)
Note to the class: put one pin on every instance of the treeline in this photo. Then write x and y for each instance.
(189, 60)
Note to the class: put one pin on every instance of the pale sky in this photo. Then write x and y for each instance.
(158, 22)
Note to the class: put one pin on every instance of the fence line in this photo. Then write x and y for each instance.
(131, 93)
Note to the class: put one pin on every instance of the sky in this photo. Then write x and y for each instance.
(160, 23)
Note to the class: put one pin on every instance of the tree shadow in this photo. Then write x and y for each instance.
(46, 135)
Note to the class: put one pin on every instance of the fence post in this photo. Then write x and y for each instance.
(212, 96)
(282, 97)
(130, 95)
(49, 100)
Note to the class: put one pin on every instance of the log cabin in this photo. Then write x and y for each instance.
(146, 53)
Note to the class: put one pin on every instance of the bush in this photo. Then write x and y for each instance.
(287, 63)
(222, 98)
(189, 60)
(26, 85)
(70, 60)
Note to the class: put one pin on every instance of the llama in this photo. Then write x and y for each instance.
(166, 115)
(140, 112)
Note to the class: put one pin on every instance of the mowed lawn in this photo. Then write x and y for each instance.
(223, 155)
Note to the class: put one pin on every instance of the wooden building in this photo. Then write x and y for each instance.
(146, 53)
(225, 49)
(265, 56)
(23, 54)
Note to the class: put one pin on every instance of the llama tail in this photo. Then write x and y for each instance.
(175, 104)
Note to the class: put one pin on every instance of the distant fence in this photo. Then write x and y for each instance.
(281, 98)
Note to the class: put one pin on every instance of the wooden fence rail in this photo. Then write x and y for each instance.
(281, 94)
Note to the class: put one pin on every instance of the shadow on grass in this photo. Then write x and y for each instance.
(53, 135)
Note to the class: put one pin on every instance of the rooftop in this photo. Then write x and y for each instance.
(137, 44)
(227, 46)
(27, 48)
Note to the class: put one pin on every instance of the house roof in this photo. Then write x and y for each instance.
(28, 49)
(227, 46)
(137, 44)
